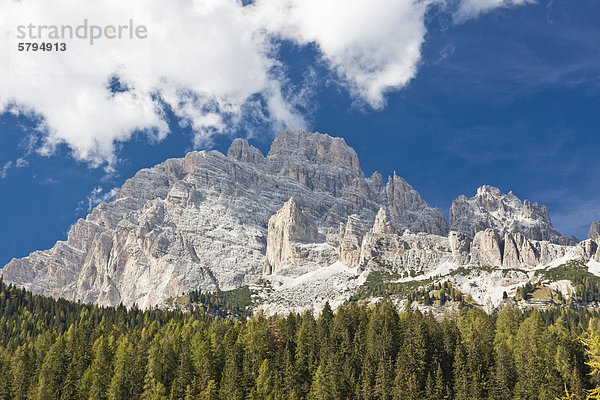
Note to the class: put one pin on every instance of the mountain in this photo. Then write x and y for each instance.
(201, 221)
(299, 227)
(505, 213)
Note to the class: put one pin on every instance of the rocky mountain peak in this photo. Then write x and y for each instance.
(401, 192)
(314, 148)
(241, 150)
(407, 210)
(375, 181)
(594, 232)
(214, 222)
(487, 190)
(505, 213)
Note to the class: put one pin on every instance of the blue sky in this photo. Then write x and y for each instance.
(509, 98)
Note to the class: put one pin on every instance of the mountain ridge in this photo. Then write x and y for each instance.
(204, 222)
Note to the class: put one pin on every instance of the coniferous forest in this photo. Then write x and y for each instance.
(54, 349)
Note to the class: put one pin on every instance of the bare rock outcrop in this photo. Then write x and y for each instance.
(594, 232)
(382, 225)
(350, 238)
(460, 245)
(287, 227)
(486, 249)
(505, 213)
(408, 211)
(242, 151)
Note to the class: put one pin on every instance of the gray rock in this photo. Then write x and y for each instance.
(407, 210)
(382, 225)
(594, 232)
(505, 213)
(242, 151)
(486, 249)
(350, 238)
(460, 244)
(287, 227)
(201, 222)
(209, 221)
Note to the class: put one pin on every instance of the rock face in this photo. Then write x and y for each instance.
(460, 244)
(382, 224)
(504, 213)
(201, 222)
(430, 255)
(594, 232)
(350, 238)
(286, 228)
(486, 249)
(407, 210)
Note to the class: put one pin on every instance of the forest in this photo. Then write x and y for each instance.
(55, 349)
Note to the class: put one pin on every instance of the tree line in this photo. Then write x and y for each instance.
(55, 349)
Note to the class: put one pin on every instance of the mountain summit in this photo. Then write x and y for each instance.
(505, 213)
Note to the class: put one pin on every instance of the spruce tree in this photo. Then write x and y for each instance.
(22, 370)
(101, 369)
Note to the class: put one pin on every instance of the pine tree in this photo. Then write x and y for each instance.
(505, 376)
(436, 389)
(462, 380)
(411, 364)
(23, 369)
(232, 384)
(306, 352)
(5, 375)
(384, 379)
(429, 387)
(321, 388)
(154, 381)
(101, 369)
(529, 358)
(184, 377)
(127, 380)
(264, 382)
(52, 372)
(210, 392)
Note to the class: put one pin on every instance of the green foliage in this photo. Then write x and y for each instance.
(237, 303)
(586, 285)
(591, 341)
(384, 284)
(53, 349)
(524, 292)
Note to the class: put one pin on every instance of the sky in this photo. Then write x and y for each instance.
(449, 94)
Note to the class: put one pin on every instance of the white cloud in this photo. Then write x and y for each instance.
(373, 46)
(97, 196)
(473, 8)
(206, 60)
(19, 163)
(4, 169)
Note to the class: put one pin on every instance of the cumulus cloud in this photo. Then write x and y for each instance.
(209, 62)
(373, 46)
(203, 60)
(473, 8)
